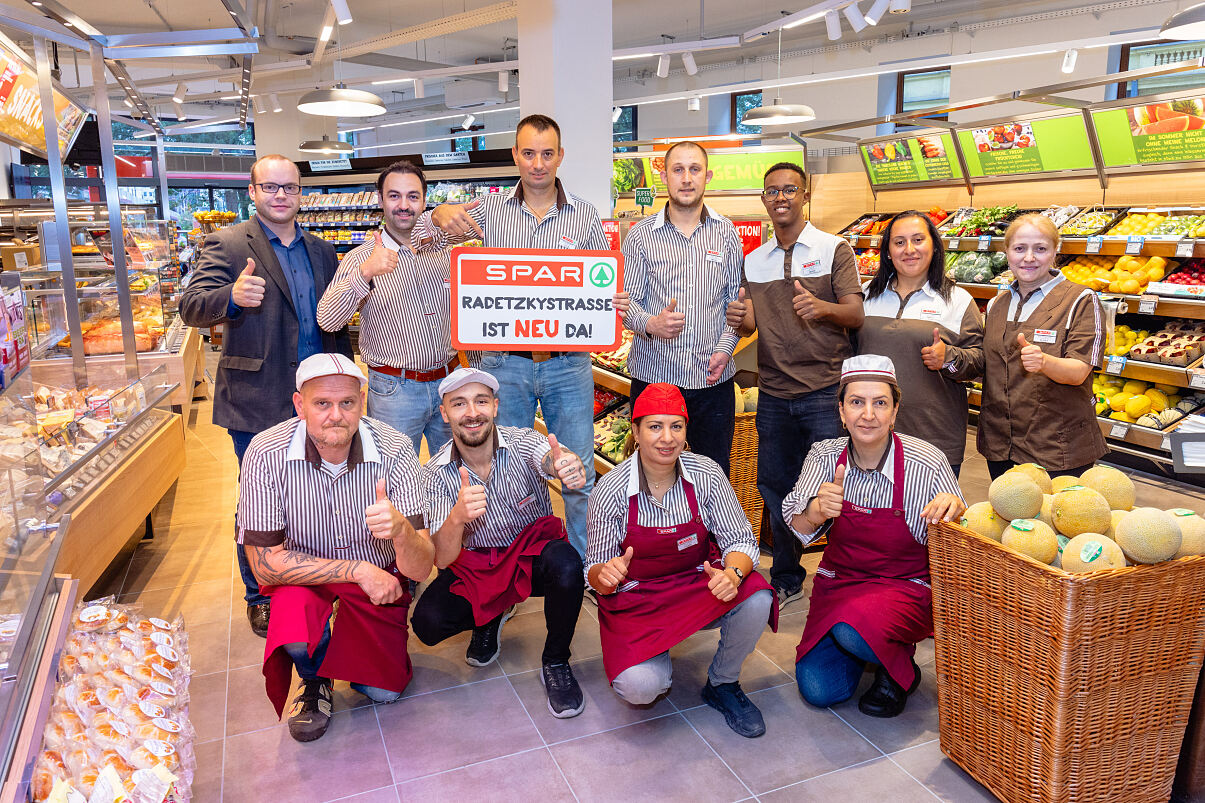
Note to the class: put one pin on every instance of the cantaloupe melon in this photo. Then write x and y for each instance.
(1080, 510)
(1033, 538)
(1115, 516)
(1148, 535)
(1192, 532)
(1046, 514)
(740, 399)
(1065, 481)
(1037, 474)
(1113, 485)
(1013, 495)
(750, 395)
(980, 518)
(1088, 552)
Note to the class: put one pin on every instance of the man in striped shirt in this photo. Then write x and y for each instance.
(538, 213)
(681, 269)
(496, 539)
(330, 507)
(401, 290)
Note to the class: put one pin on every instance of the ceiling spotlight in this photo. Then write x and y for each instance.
(276, 107)
(178, 95)
(900, 6)
(468, 122)
(341, 102)
(342, 12)
(688, 61)
(692, 104)
(616, 113)
(127, 102)
(663, 65)
(1186, 24)
(833, 23)
(1069, 60)
(259, 105)
(854, 15)
(325, 35)
(180, 116)
(503, 81)
(325, 145)
(877, 11)
(420, 89)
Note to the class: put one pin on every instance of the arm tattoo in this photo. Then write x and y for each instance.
(285, 567)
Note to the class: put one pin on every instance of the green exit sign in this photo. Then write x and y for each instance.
(644, 196)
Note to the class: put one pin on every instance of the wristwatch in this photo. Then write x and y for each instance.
(740, 576)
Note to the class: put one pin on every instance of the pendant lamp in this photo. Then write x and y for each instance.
(325, 145)
(779, 113)
(341, 102)
(1186, 24)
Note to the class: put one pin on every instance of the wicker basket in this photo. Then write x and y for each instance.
(1063, 687)
(742, 468)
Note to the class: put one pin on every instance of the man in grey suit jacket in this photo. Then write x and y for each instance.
(262, 278)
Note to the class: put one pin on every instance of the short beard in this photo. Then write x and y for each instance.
(470, 439)
(329, 437)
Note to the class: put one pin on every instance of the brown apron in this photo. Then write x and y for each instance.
(1028, 418)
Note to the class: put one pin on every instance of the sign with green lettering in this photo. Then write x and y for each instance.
(1040, 145)
(1152, 133)
(929, 157)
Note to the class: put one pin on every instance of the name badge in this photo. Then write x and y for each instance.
(447, 285)
(714, 256)
(567, 242)
(522, 503)
(665, 530)
(930, 314)
(687, 542)
(812, 268)
(1043, 335)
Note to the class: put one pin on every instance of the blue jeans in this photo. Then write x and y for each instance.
(830, 672)
(410, 407)
(786, 430)
(250, 584)
(308, 665)
(564, 387)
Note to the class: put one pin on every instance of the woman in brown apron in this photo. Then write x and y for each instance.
(873, 493)
(670, 553)
(1042, 338)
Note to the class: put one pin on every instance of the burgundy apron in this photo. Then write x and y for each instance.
(368, 642)
(877, 563)
(494, 579)
(671, 601)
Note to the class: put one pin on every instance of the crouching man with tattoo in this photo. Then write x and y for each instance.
(331, 508)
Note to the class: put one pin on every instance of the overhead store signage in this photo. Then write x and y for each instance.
(1152, 133)
(730, 171)
(327, 165)
(534, 299)
(1033, 146)
(21, 108)
(446, 158)
(907, 160)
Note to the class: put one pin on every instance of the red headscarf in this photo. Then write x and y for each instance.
(660, 398)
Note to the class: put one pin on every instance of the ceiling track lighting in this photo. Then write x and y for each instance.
(342, 12)
(326, 145)
(833, 23)
(420, 89)
(688, 61)
(877, 10)
(900, 6)
(178, 95)
(854, 15)
(503, 81)
(259, 105)
(1069, 61)
(616, 113)
(468, 122)
(276, 107)
(180, 116)
(692, 104)
(1186, 24)
(663, 65)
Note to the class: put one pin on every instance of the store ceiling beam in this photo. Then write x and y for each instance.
(455, 23)
(809, 14)
(241, 18)
(327, 27)
(1059, 100)
(175, 37)
(60, 13)
(182, 51)
(40, 25)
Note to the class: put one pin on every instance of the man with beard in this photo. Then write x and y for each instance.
(681, 268)
(262, 279)
(331, 508)
(804, 286)
(401, 291)
(497, 541)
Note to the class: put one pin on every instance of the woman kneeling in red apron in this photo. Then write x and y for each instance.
(874, 493)
(670, 553)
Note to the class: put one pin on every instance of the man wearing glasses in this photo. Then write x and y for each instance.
(802, 295)
(262, 278)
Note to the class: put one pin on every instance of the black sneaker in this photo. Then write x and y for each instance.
(886, 698)
(787, 595)
(485, 644)
(564, 695)
(311, 711)
(739, 711)
(591, 596)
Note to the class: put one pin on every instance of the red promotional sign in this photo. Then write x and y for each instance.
(611, 229)
(750, 232)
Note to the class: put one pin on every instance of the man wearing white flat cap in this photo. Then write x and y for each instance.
(331, 507)
(496, 539)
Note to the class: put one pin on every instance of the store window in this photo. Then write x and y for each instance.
(923, 89)
(1158, 54)
(624, 127)
(742, 103)
(468, 143)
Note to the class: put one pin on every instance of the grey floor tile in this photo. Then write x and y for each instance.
(661, 759)
(443, 666)
(207, 779)
(246, 648)
(801, 742)
(916, 725)
(942, 776)
(448, 729)
(247, 705)
(386, 794)
(207, 705)
(692, 657)
(171, 566)
(199, 602)
(780, 647)
(208, 646)
(875, 780)
(523, 641)
(604, 709)
(524, 777)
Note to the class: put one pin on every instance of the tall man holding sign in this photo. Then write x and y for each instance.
(537, 213)
(262, 278)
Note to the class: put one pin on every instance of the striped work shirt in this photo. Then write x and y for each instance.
(927, 473)
(287, 497)
(607, 513)
(404, 315)
(516, 493)
(703, 273)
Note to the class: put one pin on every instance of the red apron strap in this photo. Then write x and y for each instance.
(897, 491)
(633, 512)
(691, 502)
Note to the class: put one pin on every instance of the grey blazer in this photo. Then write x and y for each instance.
(256, 372)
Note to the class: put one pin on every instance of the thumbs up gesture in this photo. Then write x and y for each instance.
(736, 310)
(807, 306)
(615, 571)
(470, 501)
(1033, 359)
(248, 290)
(381, 260)
(719, 583)
(934, 356)
(831, 495)
(564, 464)
(382, 519)
(669, 323)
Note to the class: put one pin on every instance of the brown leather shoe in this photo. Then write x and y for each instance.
(257, 615)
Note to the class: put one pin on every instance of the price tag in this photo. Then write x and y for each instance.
(1134, 244)
(1184, 248)
(1119, 430)
(952, 244)
(1196, 378)
(1094, 244)
(1115, 365)
(875, 241)
(1166, 443)
(1147, 303)
(985, 243)
(852, 239)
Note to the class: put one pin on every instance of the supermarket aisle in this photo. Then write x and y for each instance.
(487, 733)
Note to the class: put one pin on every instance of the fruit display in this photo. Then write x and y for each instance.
(611, 431)
(991, 220)
(1179, 343)
(867, 260)
(937, 215)
(1181, 226)
(867, 225)
(1124, 274)
(616, 360)
(976, 266)
(1192, 273)
(604, 399)
(1059, 215)
(1156, 406)
(1091, 221)
(1171, 224)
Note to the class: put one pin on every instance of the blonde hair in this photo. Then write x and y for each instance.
(1040, 222)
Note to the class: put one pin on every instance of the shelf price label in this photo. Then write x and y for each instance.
(1134, 244)
(1094, 244)
(1196, 378)
(985, 243)
(1166, 443)
(1114, 365)
(1147, 304)
(1184, 248)
(1119, 430)
(952, 243)
(852, 239)
(875, 240)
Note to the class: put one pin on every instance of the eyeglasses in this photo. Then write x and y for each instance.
(788, 192)
(272, 189)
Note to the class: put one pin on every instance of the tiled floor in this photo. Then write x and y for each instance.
(486, 734)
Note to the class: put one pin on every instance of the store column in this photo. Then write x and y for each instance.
(565, 73)
(281, 132)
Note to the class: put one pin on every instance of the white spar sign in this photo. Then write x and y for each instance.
(528, 299)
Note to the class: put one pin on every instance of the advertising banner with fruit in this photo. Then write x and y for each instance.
(929, 157)
(730, 171)
(1152, 133)
(1032, 146)
(21, 108)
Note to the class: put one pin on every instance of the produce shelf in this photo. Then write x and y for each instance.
(1110, 246)
(611, 380)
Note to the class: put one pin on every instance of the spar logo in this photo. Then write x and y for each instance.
(522, 272)
(602, 274)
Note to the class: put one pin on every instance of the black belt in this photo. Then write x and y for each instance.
(536, 356)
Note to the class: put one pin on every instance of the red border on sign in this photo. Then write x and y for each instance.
(551, 253)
